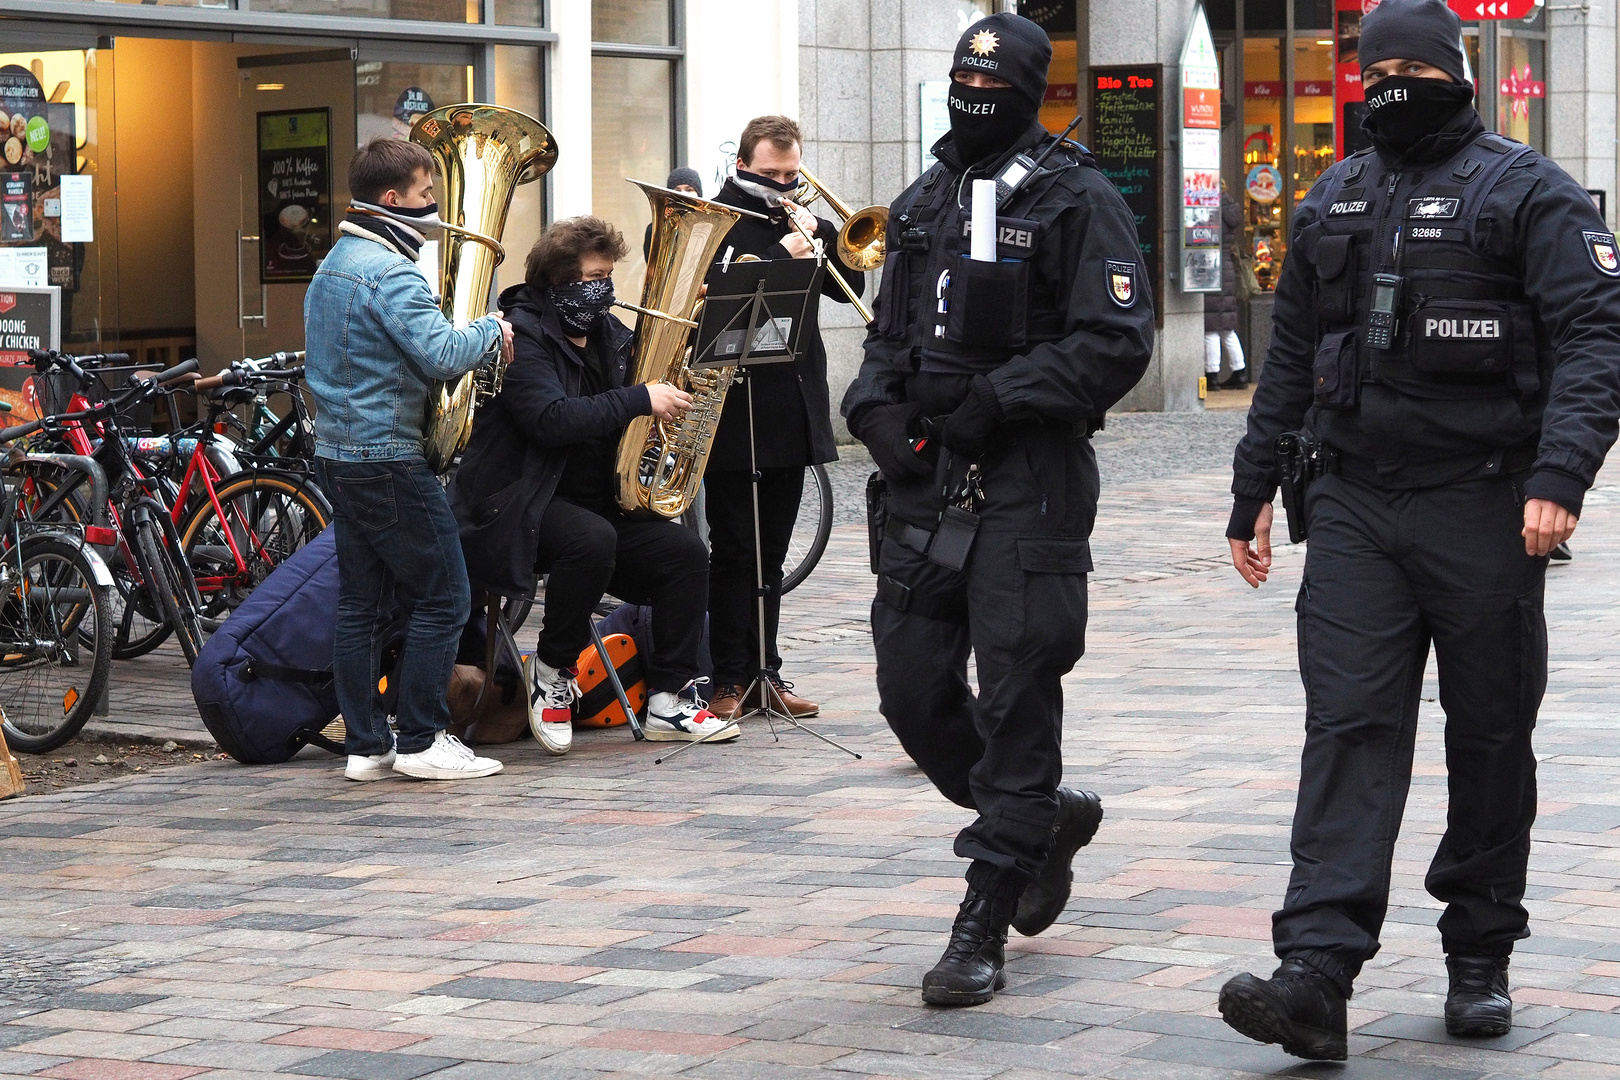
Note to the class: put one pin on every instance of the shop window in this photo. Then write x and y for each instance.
(517, 12)
(1264, 222)
(1521, 93)
(1313, 147)
(455, 11)
(389, 95)
(518, 86)
(632, 136)
(637, 22)
(48, 135)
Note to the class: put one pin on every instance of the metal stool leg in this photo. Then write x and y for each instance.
(618, 687)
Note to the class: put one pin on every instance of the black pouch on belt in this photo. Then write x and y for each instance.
(954, 540)
(877, 514)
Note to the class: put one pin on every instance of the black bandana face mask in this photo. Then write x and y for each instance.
(1403, 109)
(763, 187)
(986, 122)
(580, 303)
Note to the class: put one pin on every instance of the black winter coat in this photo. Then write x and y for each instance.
(792, 411)
(520, 440)
(1221, 309)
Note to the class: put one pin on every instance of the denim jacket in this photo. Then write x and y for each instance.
(375, 342)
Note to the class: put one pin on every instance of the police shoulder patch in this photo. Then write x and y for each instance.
(1605, 255)
(1121, 281)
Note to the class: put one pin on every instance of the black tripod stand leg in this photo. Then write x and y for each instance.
(618, 687)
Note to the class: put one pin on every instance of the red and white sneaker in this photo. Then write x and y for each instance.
(551, 704)
(683, 717)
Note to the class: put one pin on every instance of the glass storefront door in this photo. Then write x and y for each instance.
(296, 136)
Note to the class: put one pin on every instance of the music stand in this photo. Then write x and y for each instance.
(755, 313)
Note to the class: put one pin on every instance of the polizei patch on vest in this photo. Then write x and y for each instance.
(1350, 208)
(1121, 282)
(1605, 256)
(1452, 328)
(1432, 208)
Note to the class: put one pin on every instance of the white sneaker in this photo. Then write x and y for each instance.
(551, 704)
(683, 717)
(365, 767)
(446, 759)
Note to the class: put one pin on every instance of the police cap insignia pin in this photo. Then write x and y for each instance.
(1605, 254)
(984, 43)
(1121, 282)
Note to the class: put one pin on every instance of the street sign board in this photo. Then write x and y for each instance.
(1491, 9)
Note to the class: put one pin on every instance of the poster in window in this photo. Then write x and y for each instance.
(295, 193)
(16, 207)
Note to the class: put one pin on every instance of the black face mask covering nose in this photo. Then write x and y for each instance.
(986, 122)
(1403, 109)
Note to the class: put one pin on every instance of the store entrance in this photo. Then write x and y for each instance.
(295, 131)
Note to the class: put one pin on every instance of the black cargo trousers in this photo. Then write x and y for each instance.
(1019, 605)
(1387, 572)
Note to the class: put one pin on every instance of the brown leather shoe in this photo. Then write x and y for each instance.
(797, 707)
(727, 701)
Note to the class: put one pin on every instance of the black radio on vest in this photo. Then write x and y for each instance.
(1384, 312)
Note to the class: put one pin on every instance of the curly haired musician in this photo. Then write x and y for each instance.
(534, 494)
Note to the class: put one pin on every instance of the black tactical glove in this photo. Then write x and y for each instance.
(968, 430)
(886, 431)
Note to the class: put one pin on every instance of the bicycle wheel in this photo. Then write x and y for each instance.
(167, 580)
(137, 624)
(55, 643)
(811, 530)
(268, 515)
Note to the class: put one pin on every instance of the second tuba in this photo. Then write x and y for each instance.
(661, 462)
(483, 153)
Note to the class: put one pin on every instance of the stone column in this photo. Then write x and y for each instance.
(1151, 32)
(1581, 90)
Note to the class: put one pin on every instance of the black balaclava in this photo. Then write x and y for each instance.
(1403, 109)
(985, 123)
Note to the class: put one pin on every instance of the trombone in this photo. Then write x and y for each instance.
(861, 239)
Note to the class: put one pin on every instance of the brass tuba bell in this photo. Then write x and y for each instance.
(483, 153)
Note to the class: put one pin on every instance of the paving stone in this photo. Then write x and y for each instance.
(360, 1065)
(505, 989)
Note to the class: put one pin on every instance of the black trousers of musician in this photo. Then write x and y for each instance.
(1019, 605)
(1387, 573)
(591, 550)
(733, 612)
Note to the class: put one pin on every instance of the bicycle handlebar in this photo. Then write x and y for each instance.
(176, 373)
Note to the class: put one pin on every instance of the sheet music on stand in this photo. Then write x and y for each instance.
(756, 314)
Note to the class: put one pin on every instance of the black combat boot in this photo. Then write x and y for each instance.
(1298, 1007)
(1079, 814)
(970, 971)
(1237, 380)
(1477, 1005)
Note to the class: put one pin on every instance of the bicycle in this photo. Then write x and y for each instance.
(149, 570)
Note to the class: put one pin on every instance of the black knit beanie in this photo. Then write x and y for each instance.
(684, 175)
(1424, 30)
(1010, 47)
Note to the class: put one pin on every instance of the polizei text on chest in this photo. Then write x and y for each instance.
(1440, 326)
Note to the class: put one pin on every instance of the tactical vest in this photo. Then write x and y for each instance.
(1465, 330)
(956, 315)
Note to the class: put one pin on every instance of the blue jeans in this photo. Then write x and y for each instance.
(397, 543)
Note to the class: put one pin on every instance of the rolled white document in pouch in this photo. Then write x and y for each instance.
(984, 221)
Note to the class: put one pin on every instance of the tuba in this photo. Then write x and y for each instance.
(483, 153)
(661, 462)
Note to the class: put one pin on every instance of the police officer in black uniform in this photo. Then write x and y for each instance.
(1447, 337)
(981, 384)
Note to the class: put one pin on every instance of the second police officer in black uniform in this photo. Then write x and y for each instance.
(1447, 334)
(981, 384)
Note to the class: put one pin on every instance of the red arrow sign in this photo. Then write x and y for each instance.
(1491, 9)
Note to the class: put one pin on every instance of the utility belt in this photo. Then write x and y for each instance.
(1302, 459)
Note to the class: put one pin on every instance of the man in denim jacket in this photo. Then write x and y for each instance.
(376, 342)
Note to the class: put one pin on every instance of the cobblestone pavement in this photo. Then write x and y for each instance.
(767, 908)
